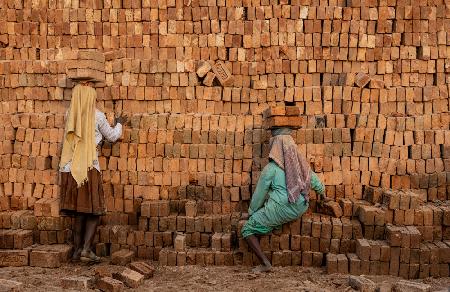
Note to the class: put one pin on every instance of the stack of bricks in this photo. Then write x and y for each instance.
(86, 65)
(282, 116)
(51, 227)
(20, 230)
(370, 80)
(403, 236)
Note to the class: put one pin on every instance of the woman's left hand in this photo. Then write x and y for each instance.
(244, 216)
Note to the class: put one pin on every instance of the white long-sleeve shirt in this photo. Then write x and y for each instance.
(102, 129)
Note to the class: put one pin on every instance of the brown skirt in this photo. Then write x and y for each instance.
(87, 199)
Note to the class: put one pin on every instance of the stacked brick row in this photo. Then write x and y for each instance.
(138, 87)
(370, 80)
(165, 153)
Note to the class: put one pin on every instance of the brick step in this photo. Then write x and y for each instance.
(181, 223)
(226, 241)
(202, 256)
(14, 257)
(26, 219)
(216, 241)
(110, 238)
(201, 205)
(50, 256)
(23, 219)
(46, 256)
(294, 243)
(431, 219)
(48, 207)
(198, 256)
(317, 226)
(15, 238)
(379, 258)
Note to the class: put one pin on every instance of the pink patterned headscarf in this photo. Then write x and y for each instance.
(283, 151)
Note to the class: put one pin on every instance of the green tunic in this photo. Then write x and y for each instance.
(269, 207)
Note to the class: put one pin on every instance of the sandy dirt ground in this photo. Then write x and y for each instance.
(196, 278)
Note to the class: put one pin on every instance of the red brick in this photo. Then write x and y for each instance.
(362, 79)
(361, 283)
(143, 268)
(129, 277)
(191, 208)
(393, 235)
(354, 264)
(331, 208)
(77, 283)
(23, 239)
(203, 68)
(108, 284)
(332, 263)
(342, 264)
(122, 257)
(223, 74)
(50, 256)
(7, 239)
(180, 242)
(45, 259)
(14, 258)
(363, 249)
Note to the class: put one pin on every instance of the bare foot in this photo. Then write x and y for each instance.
(262, 268)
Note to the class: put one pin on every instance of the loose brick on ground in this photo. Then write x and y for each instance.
(108, 284)
(14, 258)
(143, 268)
(361, 284)
(129, 277)
(122, 257)
(77, 282)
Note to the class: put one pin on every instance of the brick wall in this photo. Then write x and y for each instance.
(371, 79)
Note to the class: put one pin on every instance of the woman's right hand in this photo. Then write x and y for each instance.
(244, 216)
(122, 119)
(322, 199)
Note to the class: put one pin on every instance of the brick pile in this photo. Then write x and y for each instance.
(276, 117)
(370, 80)
(403, 237)
(116, 278)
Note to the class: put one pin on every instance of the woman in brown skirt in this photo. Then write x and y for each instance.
(81, 182)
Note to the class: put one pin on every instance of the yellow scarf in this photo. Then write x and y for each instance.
(79, 142)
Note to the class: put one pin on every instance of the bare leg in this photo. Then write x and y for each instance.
(77, 236)
(253, 242)
(91, 227)
(92, 222)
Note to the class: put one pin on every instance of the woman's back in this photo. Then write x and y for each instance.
(278, 190)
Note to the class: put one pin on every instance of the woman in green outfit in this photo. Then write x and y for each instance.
(281, 194)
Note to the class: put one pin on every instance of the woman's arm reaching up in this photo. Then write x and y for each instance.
(317, 185)
(112, 134)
